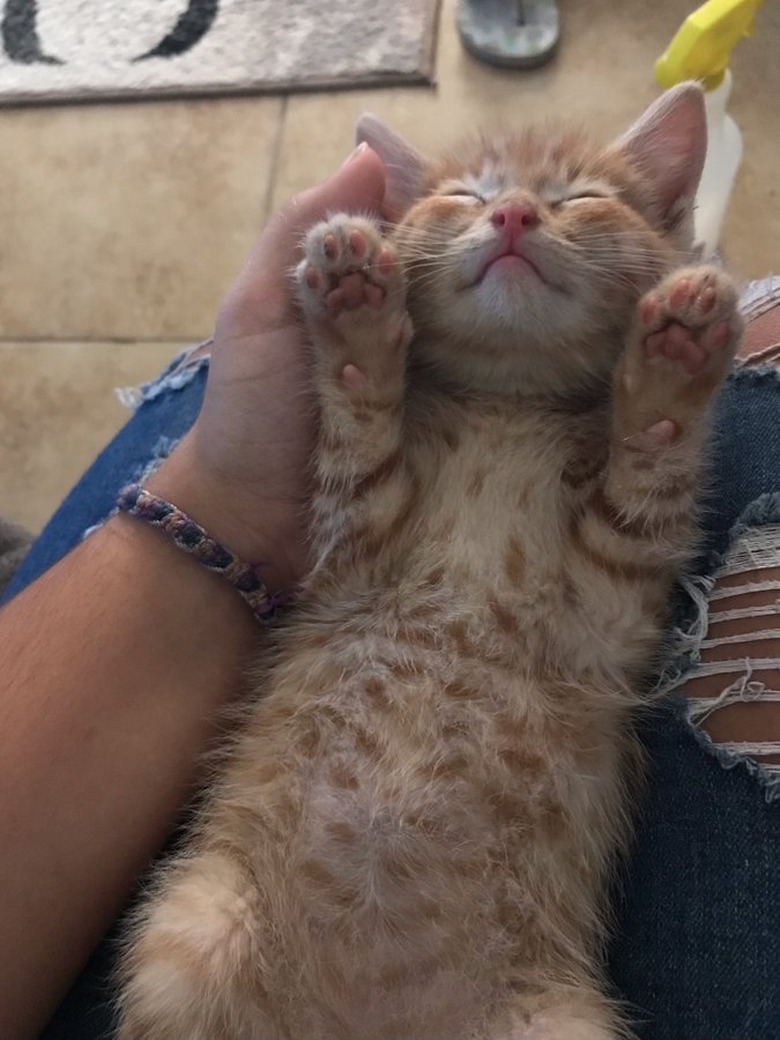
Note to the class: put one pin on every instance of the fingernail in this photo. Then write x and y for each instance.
(358, 151)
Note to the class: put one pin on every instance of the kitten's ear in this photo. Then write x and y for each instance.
(669, 145)
(405, 166)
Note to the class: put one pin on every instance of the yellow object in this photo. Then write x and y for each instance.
(702, 47)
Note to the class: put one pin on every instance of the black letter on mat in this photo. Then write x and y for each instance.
(191, 27)
(20, 33)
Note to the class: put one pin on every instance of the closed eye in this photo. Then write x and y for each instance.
(462, 195)
(579, 197)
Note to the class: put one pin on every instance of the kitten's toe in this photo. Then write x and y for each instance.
(348, 266)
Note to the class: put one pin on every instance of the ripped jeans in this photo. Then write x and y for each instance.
(697, 910)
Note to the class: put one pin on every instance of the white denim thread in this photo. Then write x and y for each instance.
(757, 548)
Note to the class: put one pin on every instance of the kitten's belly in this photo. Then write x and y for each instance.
(453, 797)
(444, 805)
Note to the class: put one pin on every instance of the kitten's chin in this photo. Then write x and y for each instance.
(512, 293)
(514, 333)
(508, 363)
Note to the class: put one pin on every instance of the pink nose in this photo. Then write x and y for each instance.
(515, 217)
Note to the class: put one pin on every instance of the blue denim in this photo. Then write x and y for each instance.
(166, 408)
(696, 948)
(697, 919)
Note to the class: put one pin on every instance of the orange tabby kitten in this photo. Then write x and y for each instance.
(412, 835)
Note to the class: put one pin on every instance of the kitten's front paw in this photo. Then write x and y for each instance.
(347, 266)
(688, 330)
(692, 320)
(353, 292)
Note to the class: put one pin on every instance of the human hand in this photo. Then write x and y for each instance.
(242, 470)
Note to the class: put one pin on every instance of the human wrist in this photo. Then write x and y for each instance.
(194, 540)
(186, 587)
(256, 531)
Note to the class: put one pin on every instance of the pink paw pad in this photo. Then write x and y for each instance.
(385, 262)
(353, 377)
(663, 432)
(357, 243)
(682, 319)
(699, 298)
(706, 300)
(649, 309)
(680, 293)
(375, 296)
(349, 292)
(677, 343)
(660, 435)
(348, 266)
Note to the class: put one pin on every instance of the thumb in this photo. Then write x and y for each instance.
(261, 294)
(358, 186)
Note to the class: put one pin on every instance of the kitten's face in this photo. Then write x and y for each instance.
(527, 255)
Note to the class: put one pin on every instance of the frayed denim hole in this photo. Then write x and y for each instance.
(175, 376)
(759, 296)
(754, 546)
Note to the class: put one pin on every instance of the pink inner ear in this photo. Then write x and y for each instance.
(405, 167)
(669, 145)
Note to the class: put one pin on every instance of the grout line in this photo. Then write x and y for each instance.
(12, 341)
(275, 156)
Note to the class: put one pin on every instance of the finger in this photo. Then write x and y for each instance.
(261, 293)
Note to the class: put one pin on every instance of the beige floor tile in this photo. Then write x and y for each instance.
(751, 238)
(128, 220)
(602, 76)
(57, 410)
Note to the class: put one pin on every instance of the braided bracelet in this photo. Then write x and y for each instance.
(188, 535)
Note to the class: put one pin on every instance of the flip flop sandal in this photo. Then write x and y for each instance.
(518, 34)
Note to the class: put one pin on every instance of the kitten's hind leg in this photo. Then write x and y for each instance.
(561, 1013)
(194, 970)
(353, 293)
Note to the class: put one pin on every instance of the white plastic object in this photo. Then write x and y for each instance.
(724, 154)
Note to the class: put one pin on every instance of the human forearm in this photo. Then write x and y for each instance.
(114, 666)
(116, 663)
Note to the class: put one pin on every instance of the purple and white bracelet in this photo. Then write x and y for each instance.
(189, 536)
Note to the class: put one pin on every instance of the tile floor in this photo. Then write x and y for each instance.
(123, 224)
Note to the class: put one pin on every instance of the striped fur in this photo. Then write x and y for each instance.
(412, 834)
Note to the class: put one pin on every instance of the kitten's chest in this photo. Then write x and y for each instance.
(496, 502)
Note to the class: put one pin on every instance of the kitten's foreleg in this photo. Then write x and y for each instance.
(685, 337)
(353, 294)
